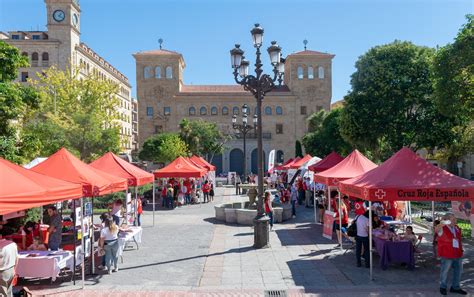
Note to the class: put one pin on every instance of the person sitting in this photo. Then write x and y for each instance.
(28, 232)
(409, 235)
(377, 223)
(37, 245)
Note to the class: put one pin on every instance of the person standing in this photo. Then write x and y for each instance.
(450, 251)
(205, 191)
(268, 208)
(211, 192)
(116, 211)
(55, 229)
(139, 211)
(169, 196)
(109, 243)
(294, 199)
(8, 261)
(344, 219)
(362, 239)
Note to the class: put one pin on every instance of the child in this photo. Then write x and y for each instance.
(211, 193)
(37, 245)
(409, 235)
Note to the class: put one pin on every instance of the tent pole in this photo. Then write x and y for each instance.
(370, 238)
(153, 202)
(432, 215)
(136, 205)
(340, 219)
(314, 202)
(83, 243)
(74, 239)
(92, 237)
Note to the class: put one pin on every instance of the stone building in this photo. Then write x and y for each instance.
(60, 46)
(165, 100)
(135, 145)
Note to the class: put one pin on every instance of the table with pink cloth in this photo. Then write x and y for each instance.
(44, 264)
(395, 252)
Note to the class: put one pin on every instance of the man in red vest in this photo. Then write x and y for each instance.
(450, 251)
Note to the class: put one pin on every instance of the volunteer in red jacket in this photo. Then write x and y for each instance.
(359, 207)
(450, 251)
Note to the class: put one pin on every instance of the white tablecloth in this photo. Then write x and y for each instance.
(124, 237)
(45, 265)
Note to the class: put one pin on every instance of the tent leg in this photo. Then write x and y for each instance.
(92, 237)
(83, 243)
(314, 204)
(432, 216)
(370, 239)
(153, 202)
(340, 219)
(74, 239)
(136, 206)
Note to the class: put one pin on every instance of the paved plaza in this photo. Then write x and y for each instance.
(189, 253)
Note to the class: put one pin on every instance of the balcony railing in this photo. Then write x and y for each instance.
(265, 135)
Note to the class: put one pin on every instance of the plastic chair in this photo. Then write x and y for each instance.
(386, 218)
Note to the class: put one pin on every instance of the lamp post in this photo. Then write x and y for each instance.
(243, 129)
(258, 84)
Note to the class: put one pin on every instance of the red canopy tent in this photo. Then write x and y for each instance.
(198, 165)
(300, 162)
(21, 188)
(201, 161)
(353, 165)
(328, 162)
(406, 176)
(179, 168)
(289, 164)
(64, 165)
(117, 166)
(280, 167)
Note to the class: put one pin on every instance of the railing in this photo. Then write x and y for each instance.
(265, 135)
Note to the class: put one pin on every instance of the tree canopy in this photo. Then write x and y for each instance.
(163, 148)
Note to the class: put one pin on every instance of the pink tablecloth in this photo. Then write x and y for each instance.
(45, 265)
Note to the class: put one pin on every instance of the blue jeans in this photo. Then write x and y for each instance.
(270, 215)
(54, 245)
(169, 202)
(446, 264)
(293, 207)
(111, 250)
(116, 220)
(362, 241)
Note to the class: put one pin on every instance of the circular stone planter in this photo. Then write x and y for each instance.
(234, 213)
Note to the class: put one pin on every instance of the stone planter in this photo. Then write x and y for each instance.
(220, 211)
(277, 214)
(246, 216)
(230, 215)
(286, 212)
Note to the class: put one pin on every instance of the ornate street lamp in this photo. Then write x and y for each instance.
(243, 129)
(258, 84)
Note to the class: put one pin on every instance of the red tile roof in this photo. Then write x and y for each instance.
(220, 89)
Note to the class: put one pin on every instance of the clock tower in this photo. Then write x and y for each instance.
(64, 26)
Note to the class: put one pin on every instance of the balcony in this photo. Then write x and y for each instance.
(265, 135)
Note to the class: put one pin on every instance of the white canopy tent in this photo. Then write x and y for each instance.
(34, 162)
(304, 169)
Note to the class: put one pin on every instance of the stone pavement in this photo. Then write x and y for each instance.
(189, 253)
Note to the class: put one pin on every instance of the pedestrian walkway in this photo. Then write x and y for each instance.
(189, 253)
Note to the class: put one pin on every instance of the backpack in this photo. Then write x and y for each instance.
(352, 230)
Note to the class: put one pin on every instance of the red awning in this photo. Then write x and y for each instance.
(197, 165)
(203, 163)
(280, 167)
(300, 162)
(66, 166)
(406, 176)
(328, 162)
(289, 164)
(22, 189)
(353, 165)
(112, 164)
(180, 168)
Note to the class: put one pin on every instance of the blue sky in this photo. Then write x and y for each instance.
(204, 31)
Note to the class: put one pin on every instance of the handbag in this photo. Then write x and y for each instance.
(101, 252)
(352, 230)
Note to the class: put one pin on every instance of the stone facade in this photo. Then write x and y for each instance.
(61, 47)
(165, 101)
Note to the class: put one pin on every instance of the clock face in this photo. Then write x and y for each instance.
(75, 19)
(59, 15)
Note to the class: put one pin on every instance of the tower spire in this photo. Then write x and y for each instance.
(160, 41)
(305, 42)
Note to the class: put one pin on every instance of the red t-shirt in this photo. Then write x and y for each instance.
(345, 216)
(206, 188)
(139, 206)
(359, 207)
(392, 210)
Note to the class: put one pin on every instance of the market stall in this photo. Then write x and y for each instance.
(180, 168)
(407, 177)
(326, 163)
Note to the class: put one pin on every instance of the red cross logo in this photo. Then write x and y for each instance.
(357, 206)
(178, 166)
(380, 194)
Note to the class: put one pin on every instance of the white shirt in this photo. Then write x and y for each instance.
(117, 210)
(362, 226)
(8, 254)
(107, 235)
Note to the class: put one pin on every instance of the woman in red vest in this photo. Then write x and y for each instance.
(450, 251)
(268, 208)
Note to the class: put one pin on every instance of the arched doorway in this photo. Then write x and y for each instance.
(254, 161)
(217, 161)
(236, 161)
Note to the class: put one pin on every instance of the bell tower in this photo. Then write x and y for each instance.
(64, 19)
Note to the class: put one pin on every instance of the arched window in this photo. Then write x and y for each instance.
(268, 110)
(213, 110)
(34, 59)
(169, 72)
(235, 110)
(147, 72)
(192, 111)
(300, 73)
(225, 110)
(157, 72)
(45, 57)
(279, 110)
(321, 72)
(310, 73)
(203, 110)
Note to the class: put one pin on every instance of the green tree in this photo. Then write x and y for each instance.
(202, 138)
(78, 112)
(10, 61)
(326, 136)
(163, 148)
(454, 91)
(390, 104)
(298, 149)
